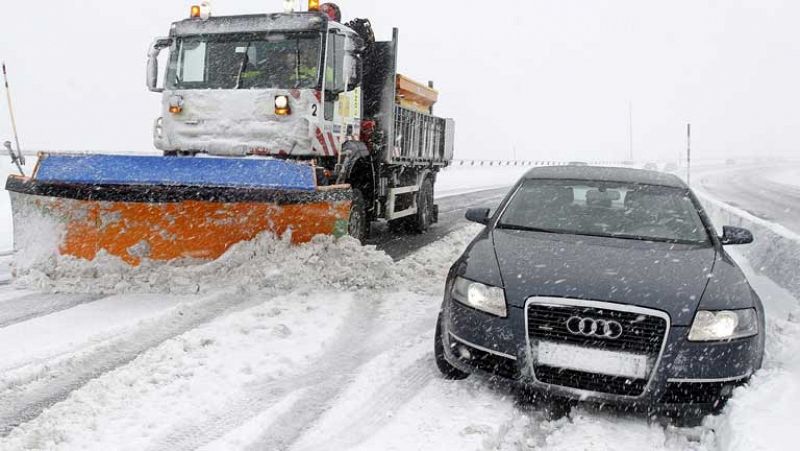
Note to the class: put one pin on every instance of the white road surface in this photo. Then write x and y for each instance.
(326, 346)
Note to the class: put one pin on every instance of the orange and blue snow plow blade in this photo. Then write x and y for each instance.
(170, 208)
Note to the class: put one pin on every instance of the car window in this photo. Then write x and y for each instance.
(644, 212)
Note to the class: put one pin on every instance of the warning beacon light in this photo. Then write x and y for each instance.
(313, 5)
(201, 11)
(332, 11)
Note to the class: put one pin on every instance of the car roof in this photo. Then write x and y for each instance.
(606, 174)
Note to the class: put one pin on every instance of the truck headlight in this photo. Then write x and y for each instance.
(282, 106)
(481, 297)
(723, 325)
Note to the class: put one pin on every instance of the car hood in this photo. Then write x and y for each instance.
(664, 276)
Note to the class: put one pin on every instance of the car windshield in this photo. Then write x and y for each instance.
(641, 212)
(247, 61)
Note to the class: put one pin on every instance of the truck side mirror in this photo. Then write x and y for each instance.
(152, 63)
(356, 73)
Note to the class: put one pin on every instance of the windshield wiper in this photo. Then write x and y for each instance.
(528, 229)
(245, 61)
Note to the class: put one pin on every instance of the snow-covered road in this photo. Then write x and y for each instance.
(326, 346)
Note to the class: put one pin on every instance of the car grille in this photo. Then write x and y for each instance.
(642, 334)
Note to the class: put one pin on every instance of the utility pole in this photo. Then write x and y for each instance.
(689, 154)
(630, 128)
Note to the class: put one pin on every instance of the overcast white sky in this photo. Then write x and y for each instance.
(549, 78)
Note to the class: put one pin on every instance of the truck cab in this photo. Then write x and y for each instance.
(284, 85)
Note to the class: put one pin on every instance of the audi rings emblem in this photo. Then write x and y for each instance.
(591, 327)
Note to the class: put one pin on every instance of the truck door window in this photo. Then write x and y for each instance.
(334, 72)
(192, 62)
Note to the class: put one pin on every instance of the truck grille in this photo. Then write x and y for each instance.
(642, 334)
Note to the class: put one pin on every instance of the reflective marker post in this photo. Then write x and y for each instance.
(688, 154)
(18, 159)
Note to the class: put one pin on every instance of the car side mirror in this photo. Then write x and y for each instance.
(736, 235)
(479, 215)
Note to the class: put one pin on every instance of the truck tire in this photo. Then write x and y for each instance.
(425, 208)
(358, 225)
(447, 370)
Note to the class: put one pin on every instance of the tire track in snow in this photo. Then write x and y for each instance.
(321, 382)
(29, 306)
(375, 413)
(25, 401)
(260, 396)
(284, 433)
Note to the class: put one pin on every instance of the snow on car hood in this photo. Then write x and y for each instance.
(664, 276)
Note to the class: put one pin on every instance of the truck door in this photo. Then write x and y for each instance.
(342, 88)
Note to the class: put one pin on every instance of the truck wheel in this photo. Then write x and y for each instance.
(358, 226)
(424, 216)
(447, 370)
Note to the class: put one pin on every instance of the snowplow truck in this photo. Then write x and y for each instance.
(290, 123)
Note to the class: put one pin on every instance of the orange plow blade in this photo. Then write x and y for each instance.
(165, 223)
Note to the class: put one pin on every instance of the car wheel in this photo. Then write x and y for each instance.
(447, 370)
(358, 226)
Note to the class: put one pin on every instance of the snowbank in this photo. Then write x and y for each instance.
(776, 250)
(761, 416)
(6, 229)
(298, 316)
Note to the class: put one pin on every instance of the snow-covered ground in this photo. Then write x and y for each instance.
(324, 346)
(786, 177)
(465, 179)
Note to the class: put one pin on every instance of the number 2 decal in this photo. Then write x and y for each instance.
(314, 110)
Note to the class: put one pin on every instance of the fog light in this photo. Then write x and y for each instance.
(463, 353)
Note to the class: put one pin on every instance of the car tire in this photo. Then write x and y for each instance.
(448, 371)
(358, 225)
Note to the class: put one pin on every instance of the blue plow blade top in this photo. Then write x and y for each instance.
(175, 171)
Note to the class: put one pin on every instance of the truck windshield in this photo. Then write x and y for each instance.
(246, 61)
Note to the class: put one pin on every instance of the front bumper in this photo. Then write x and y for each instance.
(701, 375)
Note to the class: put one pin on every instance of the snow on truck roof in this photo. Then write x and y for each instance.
(606, 174)
(250, 23)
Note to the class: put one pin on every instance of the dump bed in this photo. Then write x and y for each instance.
(402, 109)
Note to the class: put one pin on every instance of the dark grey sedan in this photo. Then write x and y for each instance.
(607, 285)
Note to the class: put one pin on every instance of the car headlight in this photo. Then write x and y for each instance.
(723, 325)
(481, 297)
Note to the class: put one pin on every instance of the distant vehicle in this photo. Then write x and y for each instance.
(578, 163)
(651, 167)
(671, 167)
(593, 284)
(730, 162)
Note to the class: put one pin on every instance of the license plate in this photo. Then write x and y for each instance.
(588, 360)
